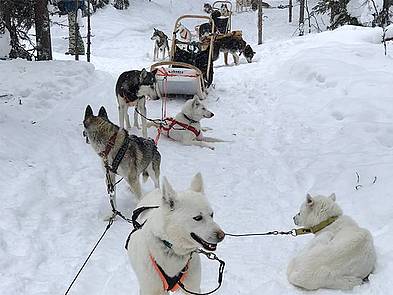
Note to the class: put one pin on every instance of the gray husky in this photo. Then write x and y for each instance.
(161, 43)
(132, 89)
(131, 154)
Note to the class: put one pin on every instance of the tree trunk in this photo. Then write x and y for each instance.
(301, 18)
(42, 29)
(260, 22)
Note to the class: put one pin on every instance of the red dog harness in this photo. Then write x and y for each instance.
(183, 125)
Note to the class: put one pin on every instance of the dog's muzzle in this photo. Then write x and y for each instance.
(206, 245)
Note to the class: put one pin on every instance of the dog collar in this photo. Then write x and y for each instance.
(189, 119)
(316, 228)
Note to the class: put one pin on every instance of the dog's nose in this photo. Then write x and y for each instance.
(220, 235)
(212, 114)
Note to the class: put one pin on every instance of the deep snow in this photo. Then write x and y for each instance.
(306, 116)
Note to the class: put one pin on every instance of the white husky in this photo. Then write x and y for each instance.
(186, 126)
(167, 241)
(341, 255)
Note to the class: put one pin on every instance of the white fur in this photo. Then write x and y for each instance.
(173, 221)
(195, 110)
(339, 257)
(144, 92)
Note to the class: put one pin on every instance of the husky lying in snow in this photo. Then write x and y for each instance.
(160, 44)
(341, 255)
(186, 126)
(166, 243)
(132, 89)
(140, 154)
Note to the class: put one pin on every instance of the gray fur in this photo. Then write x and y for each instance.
(141, 156)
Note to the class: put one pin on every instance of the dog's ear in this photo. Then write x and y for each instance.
(197, 183)
(309, 200)
(88, 112)
(102, 113)
(333, 197)
(155, 30)
(168, 194)
(143, 74)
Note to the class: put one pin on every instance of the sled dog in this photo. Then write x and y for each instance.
(340, 256)
(162, 251)
(140, 155)
(132, 89)
(160, 44)
(207, 8)
(186, 126)
(224, 10)
(234, 44)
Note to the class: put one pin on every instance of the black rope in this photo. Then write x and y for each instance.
(269, 233)
(110, 222)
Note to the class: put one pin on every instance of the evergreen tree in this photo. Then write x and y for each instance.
(17, 16)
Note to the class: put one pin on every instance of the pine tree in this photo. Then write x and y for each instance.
(338, 12)
(17, 16)
(121, 4)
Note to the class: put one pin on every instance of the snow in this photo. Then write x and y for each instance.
(305, 116)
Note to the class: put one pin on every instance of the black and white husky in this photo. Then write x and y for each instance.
(132, 89)
(160, 44)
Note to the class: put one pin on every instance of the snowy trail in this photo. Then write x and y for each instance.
(304, 116)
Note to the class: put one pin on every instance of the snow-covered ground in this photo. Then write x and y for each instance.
(305, 116)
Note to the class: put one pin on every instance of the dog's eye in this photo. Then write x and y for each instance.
(198, 218)
(211, 215)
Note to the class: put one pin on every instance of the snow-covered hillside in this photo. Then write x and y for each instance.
(305, 116)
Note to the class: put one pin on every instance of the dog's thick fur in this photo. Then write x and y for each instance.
(132, 89)
(180, 214)
(141, 156)
(234, 44)
(207, 8)
(195, 110)
(224, 10)
(160, 44)
(340, 256)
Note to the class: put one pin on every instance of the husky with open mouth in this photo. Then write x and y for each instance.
(162, 251)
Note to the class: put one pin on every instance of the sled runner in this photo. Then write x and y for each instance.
(190, 69)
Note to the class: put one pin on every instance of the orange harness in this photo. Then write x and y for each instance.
(170, 283)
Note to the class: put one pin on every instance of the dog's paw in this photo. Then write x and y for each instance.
(351, 282)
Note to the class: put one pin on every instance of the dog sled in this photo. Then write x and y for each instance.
(190, 69)
(222, 16)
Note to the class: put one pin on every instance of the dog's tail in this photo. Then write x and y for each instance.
(212, 139)
(145, 175)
